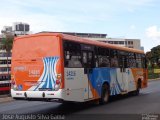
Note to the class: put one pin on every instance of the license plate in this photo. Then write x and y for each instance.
(45, 89)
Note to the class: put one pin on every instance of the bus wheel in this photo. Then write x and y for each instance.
(17, 98)
(138, 88)
(104, 94)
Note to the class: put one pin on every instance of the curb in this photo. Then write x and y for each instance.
(4, 95)
(5, 98)
(153, 79)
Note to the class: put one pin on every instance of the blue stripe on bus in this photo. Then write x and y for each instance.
(49, 76)
(101, 75)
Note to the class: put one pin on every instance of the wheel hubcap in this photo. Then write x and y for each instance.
(106, 97)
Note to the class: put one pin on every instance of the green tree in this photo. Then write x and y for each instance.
(155, 61)
(7, 43)
(155, 55)
(148, 57)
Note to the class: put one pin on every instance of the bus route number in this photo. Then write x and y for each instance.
(71, 73)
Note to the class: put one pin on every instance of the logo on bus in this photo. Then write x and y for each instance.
(20, 68)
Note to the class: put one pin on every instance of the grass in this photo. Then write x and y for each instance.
(151, 74)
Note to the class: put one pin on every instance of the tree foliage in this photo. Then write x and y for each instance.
(148, 56)
(155, 55)
(7, 42)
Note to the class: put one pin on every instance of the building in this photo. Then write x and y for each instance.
(18, 29)
(130, 43)
(7, 29)
(5, 69)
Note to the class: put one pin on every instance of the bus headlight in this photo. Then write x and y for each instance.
(13, 85)
(58, 76)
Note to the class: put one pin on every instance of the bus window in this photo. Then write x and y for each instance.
(88, 59)
(72, 55)
(75, 61)
(114, 58)
(131, 60)
(138, 61)
(84, 58)
(144, 65)
(123, 59)
(103, 57)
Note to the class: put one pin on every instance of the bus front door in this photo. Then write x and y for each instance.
(124, 72)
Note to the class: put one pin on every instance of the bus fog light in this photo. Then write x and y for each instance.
(58, 82)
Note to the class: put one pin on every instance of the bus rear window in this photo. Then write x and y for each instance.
(35, 47)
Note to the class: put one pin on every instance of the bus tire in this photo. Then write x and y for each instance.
(17, 98)
(138, 87)
(105, 94)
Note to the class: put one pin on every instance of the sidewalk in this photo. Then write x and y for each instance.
(153, 79)
(5, 98)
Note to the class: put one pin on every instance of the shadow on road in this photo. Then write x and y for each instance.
(68, 108)
(71, 108)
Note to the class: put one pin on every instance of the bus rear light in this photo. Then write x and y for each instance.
(58, 76)
(13, 85)
(12, 77)
(57, 82)
(13, 82)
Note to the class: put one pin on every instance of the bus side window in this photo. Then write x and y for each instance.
(90, 59)
(114, 61)
(72, 55)
(87, 59)
(131, 60)
(138, 61)
(75, 61)
(144, 65)
(84, 59)
(103, 57)
(114, 58)
(67, 55)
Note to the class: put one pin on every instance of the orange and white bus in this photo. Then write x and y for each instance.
(54, 66)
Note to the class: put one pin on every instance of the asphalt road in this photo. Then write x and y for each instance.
(147, 102)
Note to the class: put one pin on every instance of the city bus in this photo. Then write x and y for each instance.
(60, 67)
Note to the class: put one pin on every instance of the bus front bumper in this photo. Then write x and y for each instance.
(57, 95)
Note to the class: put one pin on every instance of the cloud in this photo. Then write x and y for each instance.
(153, 32)
(132, 27)
(18, 11)
(65, 15)
(38, 22)
(136, 3)
(132, 5)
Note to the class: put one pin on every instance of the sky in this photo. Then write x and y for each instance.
(116, 18)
